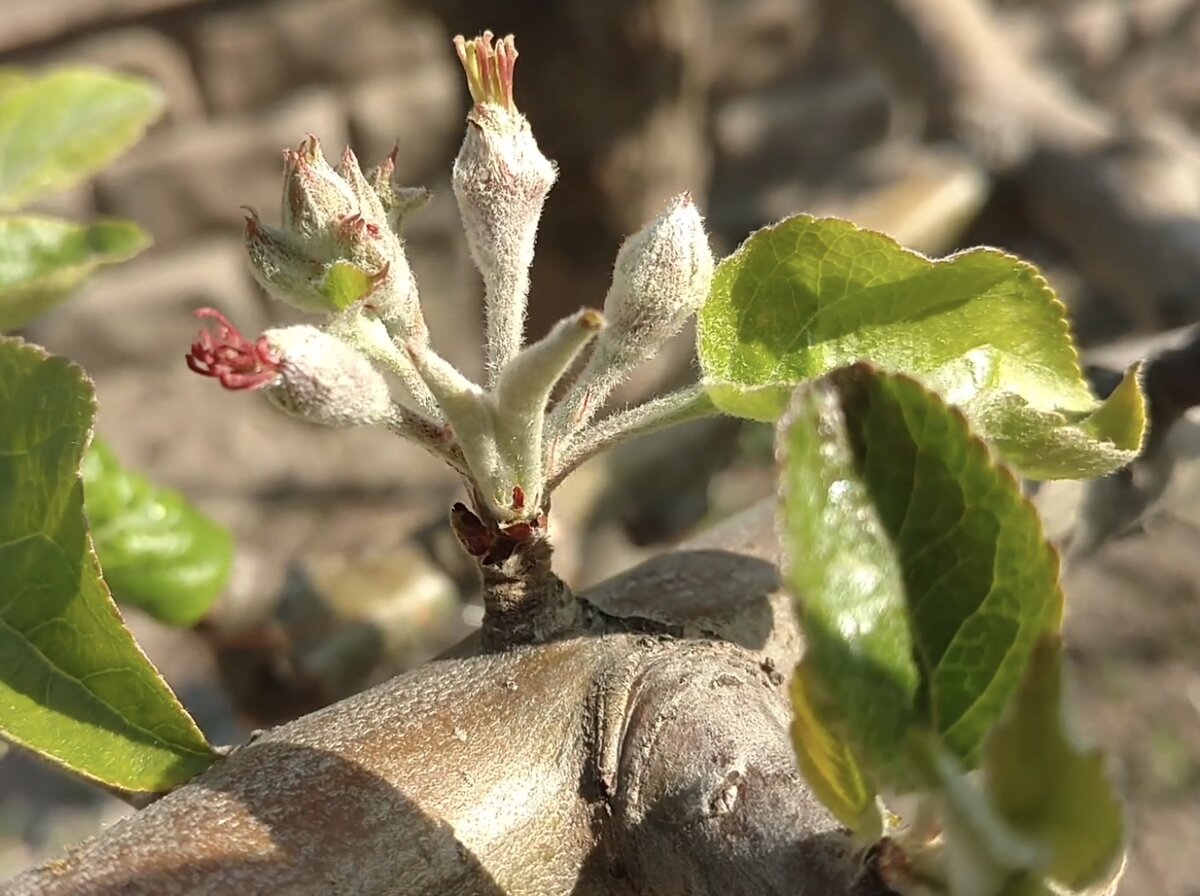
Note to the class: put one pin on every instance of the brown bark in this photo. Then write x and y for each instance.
(652, 757)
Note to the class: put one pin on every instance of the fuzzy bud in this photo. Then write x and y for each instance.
(324, 380)
(315, 197)
(336, 250)
(398, 201)
(286, 273)
(500, 180)
(370, 206)
(661, 278)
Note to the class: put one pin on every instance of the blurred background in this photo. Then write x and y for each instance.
(1063, 130)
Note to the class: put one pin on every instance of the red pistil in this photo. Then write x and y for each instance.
(225, 354)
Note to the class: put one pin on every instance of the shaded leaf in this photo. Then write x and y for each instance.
(42, 260)
(829, 764)
(60, 128)
(906, 543)
(983, 328)
(157, 551)
(1048, 787)
(74, 686)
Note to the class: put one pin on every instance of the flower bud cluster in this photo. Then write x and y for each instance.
(338, 248)
(338, 252)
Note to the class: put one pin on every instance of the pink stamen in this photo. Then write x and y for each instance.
(224, 354)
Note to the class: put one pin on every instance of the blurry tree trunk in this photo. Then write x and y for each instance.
(1122, 200)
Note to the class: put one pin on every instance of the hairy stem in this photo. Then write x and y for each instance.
(582, 401)
(377, 341)
(433, 437)
(504, 300)
(689, 403)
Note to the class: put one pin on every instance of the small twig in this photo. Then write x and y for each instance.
(689, 403)
(435, 438)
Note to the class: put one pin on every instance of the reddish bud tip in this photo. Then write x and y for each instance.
(253, 224)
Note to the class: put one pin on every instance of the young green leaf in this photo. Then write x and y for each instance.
(829, 764)
(60, 128)
(840, 563)
(157, 552)
(1046, 786)
(983, 328)
(74, 686)
(921, 574)
(43, 259)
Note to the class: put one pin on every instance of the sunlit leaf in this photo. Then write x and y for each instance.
(62, 127)
(43, 260)
(920, 571)
(982, 327)
(74, 686)
(840, 564)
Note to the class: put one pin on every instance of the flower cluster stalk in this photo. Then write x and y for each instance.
(339, 253)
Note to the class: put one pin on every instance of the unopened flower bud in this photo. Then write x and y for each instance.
(398, 201)
(661, 278)
(369, 205)
(500, 181)
(315, 197)
(281, 268)
(354, 261)
(324, 380)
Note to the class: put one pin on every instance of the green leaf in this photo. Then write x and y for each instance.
(42, 260)
(829, 763)
(1046, 786)
(74, 686)
(158, 552)
(808, 295)
(60, 128)
(922, 576)
(840, 563)
(344, 284)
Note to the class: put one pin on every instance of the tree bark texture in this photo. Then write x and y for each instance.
(650, 756)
